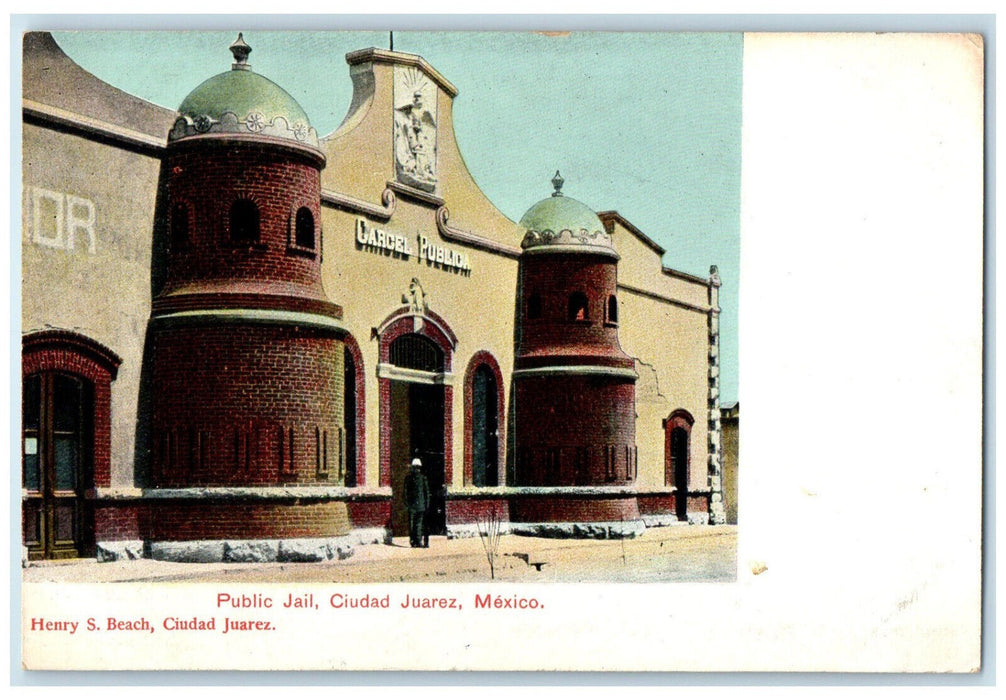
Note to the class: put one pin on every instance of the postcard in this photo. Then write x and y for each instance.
(424, 350)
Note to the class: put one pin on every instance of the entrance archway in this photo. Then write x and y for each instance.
(416, 354)
(417, 427)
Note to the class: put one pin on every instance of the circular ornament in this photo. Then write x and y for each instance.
(202, 123)
(255, 122)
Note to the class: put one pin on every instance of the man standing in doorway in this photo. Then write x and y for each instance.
(417, 499)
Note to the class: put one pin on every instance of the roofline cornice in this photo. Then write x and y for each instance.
(94, 128)
(670, 272)
(664, 299)
(257, 140)
(612, 216)
(376, 55)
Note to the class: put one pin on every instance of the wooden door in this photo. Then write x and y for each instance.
(57, 457)
(680, 459)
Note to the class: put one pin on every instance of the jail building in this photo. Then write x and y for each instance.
(237, 333)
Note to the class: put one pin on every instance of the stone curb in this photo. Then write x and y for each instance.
(595, 531)
(312, 549)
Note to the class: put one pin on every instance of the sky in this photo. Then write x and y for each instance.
(648, 124)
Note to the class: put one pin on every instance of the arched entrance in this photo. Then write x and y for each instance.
(677, 458)
(416, 352)
(65, 440)
(417, 427)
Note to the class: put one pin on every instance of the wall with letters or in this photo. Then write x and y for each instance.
(87, 225)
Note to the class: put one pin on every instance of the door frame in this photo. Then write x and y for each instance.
(406, 320)
(58, 351)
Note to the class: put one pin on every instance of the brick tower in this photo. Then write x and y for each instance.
(574, 387)
(247, 351)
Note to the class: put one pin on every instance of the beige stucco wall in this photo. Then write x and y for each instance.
(641, 267)
(669, 346)
(104, 295)
(366, 129)
(478, 307)
(369, 285)
(361, 156)
(664, 325)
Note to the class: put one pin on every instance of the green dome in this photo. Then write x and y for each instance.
(560, 224)
(243, 104)
(561, 212)
(242, 92)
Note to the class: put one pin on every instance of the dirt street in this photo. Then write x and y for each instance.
(660, 554)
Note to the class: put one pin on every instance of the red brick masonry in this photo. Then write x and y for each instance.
(574, 391)
(206, 178)
(246, 405)
(247, 391)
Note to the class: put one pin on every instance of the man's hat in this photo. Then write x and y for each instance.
(416, 462)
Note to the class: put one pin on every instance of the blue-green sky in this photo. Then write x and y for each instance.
(648, 124)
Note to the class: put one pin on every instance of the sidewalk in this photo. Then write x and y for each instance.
(700, 553)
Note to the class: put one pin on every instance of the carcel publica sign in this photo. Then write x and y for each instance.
(404, 247)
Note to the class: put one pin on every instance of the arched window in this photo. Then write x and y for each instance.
(414, 351)
(485, 428)
(304, 228)
(534, 307)
(578, 307)
(244, 222)
(612, 309)
(179, 226)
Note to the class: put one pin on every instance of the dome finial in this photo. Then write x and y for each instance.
(240, 50)
(557, 184)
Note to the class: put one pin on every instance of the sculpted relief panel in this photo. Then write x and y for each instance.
(415, 129)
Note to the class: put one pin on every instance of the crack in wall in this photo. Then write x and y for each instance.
(656, 376)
